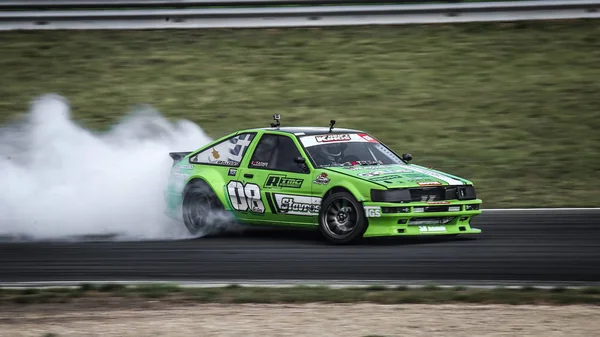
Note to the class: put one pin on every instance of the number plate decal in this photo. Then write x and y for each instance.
(245, 198)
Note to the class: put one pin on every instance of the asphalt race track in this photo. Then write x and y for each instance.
(516, 248)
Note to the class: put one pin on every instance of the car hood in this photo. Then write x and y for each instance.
(401, 175)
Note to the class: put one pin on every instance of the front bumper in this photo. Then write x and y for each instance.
(421, 218)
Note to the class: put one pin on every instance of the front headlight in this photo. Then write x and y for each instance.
(466, 192)
(393, 195)
(472, 207)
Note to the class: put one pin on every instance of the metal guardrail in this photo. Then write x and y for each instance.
(74, 4)
(309, 16)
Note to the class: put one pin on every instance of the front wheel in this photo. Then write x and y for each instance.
(342, 219)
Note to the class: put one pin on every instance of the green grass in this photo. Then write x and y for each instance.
(512, 106)
(309, 294)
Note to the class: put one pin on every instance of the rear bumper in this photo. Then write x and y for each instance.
(421, 218)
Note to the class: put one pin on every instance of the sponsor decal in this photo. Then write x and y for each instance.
(371, 166)
(322, 179)
(429, 183)
(256, 163)
(186, 167)
(214, 155)
(309, 141)
(437, 202)
(290, 204)
(367, 138)
(245, 197)
(372, 211)
(297, 204)
(181, 175)
(390, 177)
(232, 172)
(333, 138)
(279, 180)
(432, 228)
(227, 162)
(380, 172)
(238, 145)
(365, 162)
(416, 178)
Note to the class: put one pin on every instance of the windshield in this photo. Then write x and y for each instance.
(335, 149)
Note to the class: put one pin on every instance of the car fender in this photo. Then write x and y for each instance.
(214, 180)
(359, 188)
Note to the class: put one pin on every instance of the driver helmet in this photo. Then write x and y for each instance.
(333, 152)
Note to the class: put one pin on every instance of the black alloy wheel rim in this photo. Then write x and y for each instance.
(198, 208)
(340, 219)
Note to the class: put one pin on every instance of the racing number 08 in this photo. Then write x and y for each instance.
(244, 197)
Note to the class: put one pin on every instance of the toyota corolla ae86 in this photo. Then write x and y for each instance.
(342, 182)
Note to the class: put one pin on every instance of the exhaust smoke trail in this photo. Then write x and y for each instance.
(59, 180)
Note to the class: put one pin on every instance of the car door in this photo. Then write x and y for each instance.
(277, 186)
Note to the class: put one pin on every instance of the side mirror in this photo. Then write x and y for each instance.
(407, 157)
(301, 161)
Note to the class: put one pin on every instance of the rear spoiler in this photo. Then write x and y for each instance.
(178, 156)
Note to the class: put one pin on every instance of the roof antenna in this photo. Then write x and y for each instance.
(331, 124)
(276, 117)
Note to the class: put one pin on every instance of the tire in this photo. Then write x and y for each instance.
(201, 209)
(342, 227)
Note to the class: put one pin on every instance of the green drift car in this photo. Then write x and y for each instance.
(343, 182)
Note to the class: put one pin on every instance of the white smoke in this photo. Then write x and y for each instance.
(60, 180)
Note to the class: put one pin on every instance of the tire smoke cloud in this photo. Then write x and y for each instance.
(59, 180)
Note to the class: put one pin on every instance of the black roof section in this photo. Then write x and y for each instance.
(310, 130)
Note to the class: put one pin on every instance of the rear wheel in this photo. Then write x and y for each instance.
(342, 219)
(202, 210)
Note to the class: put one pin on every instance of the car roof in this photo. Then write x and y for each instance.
(308, 130)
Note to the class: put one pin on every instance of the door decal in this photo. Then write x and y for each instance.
(297, 204)
(282, 181)
(244, 198)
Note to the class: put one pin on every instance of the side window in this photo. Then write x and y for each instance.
(264, 151)
(227, 153)
(276, 152)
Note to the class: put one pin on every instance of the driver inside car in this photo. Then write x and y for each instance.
(333, 154)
